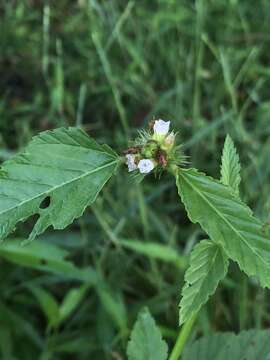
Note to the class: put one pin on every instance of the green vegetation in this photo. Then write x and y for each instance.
(110, 67)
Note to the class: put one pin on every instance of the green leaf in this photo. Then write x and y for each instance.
(155, 251)
(45, 257)
(146, 342)
(71, 301)
(248, 345)
(57, 314)
(48, 304)
(208, 265)
(70, 342)
(230, 166)
(66, 167)
(114, 305)
(17, 324)
(6, 348)
(227, 221)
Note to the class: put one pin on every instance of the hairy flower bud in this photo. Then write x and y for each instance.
(169, 141)
(150, 149)
(130, 158)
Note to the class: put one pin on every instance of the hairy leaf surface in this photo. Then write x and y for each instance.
(230, 166)
(248, 345)
(208, 265)
(146, 342)
(227, 221)
(59, 174)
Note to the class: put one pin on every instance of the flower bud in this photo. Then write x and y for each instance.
(150, 149)
(131, 162)
(169, 141)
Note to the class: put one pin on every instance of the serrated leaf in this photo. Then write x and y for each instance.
(208, 265)
(146, 342)
(248, 345)
(65, 167)
(227, 221)
(230, 166)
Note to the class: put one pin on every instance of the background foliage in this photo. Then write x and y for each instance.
(110, 67)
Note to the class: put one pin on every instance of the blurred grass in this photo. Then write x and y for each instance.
(110, 67)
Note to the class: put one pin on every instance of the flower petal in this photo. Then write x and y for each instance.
(146, 166)
(161, 127)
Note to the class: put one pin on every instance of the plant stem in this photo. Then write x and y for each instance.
(243, 303)
(182, 338)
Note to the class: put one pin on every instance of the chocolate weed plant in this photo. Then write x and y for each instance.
(61, 172)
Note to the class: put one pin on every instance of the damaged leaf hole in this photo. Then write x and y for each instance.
(43, 262)
(45, 203)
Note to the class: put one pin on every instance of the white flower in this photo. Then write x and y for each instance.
(145, 166)
(131, 162)
(161, 127)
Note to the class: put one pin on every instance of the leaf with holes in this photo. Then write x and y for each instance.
(58, 175)
(208, 265)
(227, 220)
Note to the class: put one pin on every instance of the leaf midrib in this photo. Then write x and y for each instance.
(59, 186)
(224, 219)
